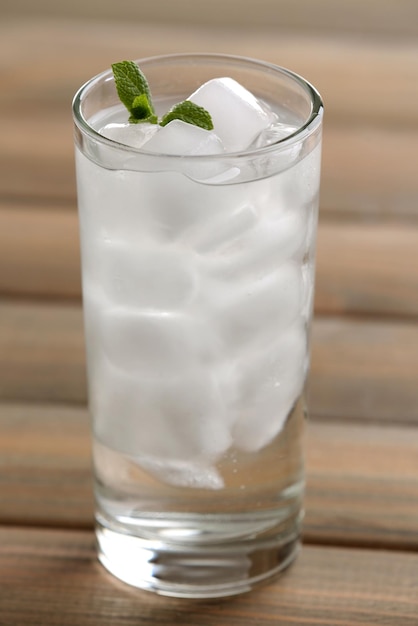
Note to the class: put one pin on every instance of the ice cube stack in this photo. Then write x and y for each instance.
(196, 297)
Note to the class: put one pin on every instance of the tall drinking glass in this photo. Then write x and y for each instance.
(198, 281)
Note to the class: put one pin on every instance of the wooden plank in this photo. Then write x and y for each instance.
(354, 496)
(364, 370)
(394, 18)
(362, 178)
(367, 269)
(362, 485)
(361, 268)
(52, 577)
(369, 173)
(37, 163)
(360, 79)
(39, 252)
(42, 353)
(45, 466)
(361, 369)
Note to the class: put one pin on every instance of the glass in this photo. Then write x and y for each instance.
(198, 280)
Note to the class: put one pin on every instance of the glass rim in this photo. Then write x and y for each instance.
(302, 131)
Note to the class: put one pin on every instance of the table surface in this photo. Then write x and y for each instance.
(359, 562)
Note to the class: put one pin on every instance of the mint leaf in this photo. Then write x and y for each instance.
(142, 110)
(134, 92)
(152, 119)
(141, 107)
(131, 84)
(190, 113)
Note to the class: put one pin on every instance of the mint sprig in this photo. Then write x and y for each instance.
(142, 110)
(134, 92)
(190, 113)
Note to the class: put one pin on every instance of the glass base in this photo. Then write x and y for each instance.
(195, 570)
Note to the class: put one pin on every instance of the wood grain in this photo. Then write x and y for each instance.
(382, 184)
(362, 485)
(52, 577)
(360, 79)
(45, 463)
(39, 252)
(369, 173)
(355, 496)
(361, 268)
(361, 369)
(42, 353)
(396, 18)
(364, 370)
(367, 269)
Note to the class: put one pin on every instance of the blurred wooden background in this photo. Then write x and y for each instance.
(362, 452)
(393, 18)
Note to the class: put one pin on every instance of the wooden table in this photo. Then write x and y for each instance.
(359, 563)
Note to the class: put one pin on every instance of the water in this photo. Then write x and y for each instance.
(252, 483)
(197, 301)
(202, 542)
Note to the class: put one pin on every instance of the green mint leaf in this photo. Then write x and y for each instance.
(134, 92)
(141, 109)
(131, 84)
(190, 113)
(152, 119)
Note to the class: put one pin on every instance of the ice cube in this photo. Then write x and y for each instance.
(178, 418)
(261, 249)
(283, 157)
(155, 342)
(154, 277)
(222, 229)
(306, 170)
(191, 474)
(273, 133)
(249, 311)
(178, 137)
(238, 117)
(270, 384)
(168, 426)
(133, 135)
(174, 204)
(112, 204)
(187, 140)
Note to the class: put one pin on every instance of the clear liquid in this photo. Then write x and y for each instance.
(260, 490)
(203, 543)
